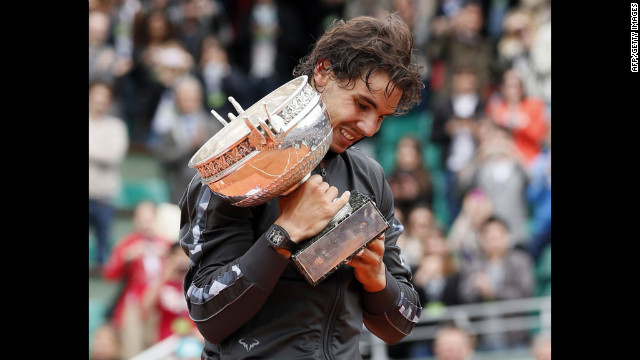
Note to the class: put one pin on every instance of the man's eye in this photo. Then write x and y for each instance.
(361, 105)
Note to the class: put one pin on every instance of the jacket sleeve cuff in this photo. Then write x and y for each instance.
(384, 300)
(262, 265)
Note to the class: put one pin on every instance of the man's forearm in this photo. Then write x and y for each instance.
(222, 300)
(391, 314)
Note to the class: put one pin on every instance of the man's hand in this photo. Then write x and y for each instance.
(368, 266)
(431, 267)
(483, 285)
(308, 209)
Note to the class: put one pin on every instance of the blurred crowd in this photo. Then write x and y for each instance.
(157, 68)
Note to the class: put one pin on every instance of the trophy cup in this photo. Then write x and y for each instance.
(268, 150)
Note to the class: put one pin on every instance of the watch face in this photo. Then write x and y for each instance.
(277, 237)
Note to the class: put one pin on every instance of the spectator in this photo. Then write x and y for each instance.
(151, 31)
(136, 261)
(108, 59)
(436, 281)
(167, 222)
(525, 46)
(464, 232)
(515, 43)
(410, 180)
(497, 273)
(222, 79)
(454, 129)
(272, 36)
(108, 145)
(458, 39)
(420, 223)
(523, 116)
(169, 62)
(540, 52)
(152, 28)
(197, 19)
(181, 127)
(494, 15)
(164, 297)
(257, 46)
(539, 198)
(436, 278)
(453, 343)
(499, 173)
(122, 14)
(102, 56)
(105, 344)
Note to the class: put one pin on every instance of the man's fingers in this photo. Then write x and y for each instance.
(321, 189)
(315, 179)
(377, 245)
(370, 253)
(332, 192)
(340, 202)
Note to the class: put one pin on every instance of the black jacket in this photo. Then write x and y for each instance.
(250, 302)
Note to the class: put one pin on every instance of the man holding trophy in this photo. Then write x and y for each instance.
(290, 230)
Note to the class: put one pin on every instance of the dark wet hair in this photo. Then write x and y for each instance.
(364, 45)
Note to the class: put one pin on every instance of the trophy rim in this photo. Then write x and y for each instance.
(245, 131)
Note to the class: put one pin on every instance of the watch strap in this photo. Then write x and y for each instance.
(278, 238)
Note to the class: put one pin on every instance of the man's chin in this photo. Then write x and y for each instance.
(337, 149)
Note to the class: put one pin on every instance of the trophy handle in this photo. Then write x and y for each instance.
(287, 192)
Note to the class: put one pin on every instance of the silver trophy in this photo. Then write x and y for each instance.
(268, 150)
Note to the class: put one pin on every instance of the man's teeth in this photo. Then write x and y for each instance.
(345, 134)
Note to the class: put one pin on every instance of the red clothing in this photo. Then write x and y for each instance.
(138, 273)
(171, 306)
(527, 122)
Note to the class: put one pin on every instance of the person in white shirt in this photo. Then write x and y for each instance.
(108, 145)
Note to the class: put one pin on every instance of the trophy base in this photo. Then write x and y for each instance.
(355, 226)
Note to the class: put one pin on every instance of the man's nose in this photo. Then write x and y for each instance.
(369, 126)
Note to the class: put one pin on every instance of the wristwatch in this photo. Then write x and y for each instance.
(279, 239)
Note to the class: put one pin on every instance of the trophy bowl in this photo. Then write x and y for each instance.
(268, 149)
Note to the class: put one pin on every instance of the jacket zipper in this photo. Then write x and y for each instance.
(328, 329)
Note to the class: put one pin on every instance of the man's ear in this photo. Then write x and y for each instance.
(321, 72)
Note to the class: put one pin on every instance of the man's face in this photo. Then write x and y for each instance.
(512, 87)
(99, 99)
(464, 83)
(188, 98)
(452, 346)
(356, 112)
(495, 240)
